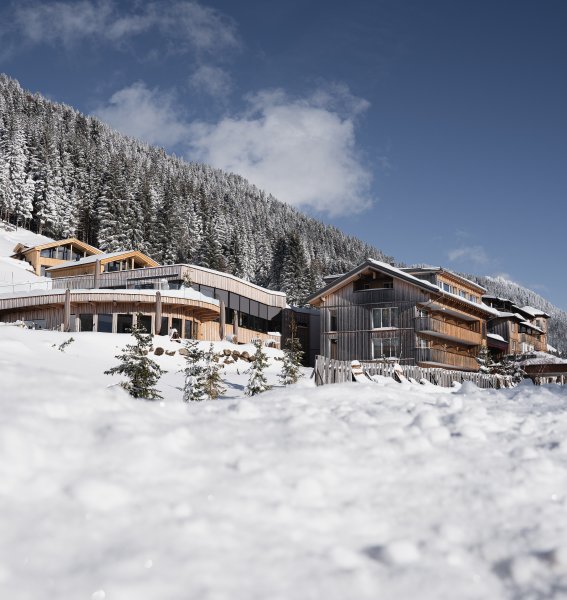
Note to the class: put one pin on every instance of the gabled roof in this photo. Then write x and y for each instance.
(105, 257)
(23, 249)
(382, 267)
(376, 265)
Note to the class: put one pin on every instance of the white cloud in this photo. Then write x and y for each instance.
(303, 151)
(211, 80)
(186, 25)
(146, 114)
(475, 254)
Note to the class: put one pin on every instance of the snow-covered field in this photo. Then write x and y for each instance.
(353, 491)
(343, 492)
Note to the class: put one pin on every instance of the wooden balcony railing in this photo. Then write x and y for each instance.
(444, 358)
(448, 331)
(374, 296)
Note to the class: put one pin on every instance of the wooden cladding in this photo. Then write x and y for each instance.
(359, 324)
(469, 336)
(439, 357)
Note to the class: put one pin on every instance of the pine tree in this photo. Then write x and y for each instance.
(484, 359)
(509, 368)
(142, 372)
(257, 382)
(293, 355)
(212, 379)
(194, 371)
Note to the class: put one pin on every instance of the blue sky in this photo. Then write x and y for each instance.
(434, 130)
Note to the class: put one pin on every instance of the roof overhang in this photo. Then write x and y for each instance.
(369, 265)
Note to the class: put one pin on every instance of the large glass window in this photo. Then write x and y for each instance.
(164, 326)
(176, 324)
(188, 329)
(145, 321)
(105, 323)
(386, 347)
(86, 322)
(124, 324)
(384, 317)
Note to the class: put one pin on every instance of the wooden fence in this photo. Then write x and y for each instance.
(340, 371)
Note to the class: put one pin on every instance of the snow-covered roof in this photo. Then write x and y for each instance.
(402, 274)
(541, 358)
(534, 327)
(510, 315)
(495, 336)
(534, 312)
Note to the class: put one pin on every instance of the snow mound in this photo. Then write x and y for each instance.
(343, 491)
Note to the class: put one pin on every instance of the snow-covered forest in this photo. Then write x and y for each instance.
(62, 174)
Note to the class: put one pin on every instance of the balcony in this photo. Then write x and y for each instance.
(532, 341)
(448, 331)
(434, 357)
(376, 296)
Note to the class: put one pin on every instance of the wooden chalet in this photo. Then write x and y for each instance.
(426, 317)
(102, 262)
(104, 292)
(51, 254)
(515, 330)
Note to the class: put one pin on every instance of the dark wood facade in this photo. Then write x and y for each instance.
(377, 312)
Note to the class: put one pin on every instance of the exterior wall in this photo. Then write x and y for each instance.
(33, 256)
(49, 308)
(354, 328)
(133, 260)
(426, 334)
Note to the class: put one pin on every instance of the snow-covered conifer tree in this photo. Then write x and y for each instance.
(484, 359)
(194, 371)
(293, 354)
(142, 372)
(257, 382)
(212, 378)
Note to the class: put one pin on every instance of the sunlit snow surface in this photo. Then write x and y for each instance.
(378, 491)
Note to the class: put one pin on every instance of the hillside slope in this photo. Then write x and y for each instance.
(63, 173)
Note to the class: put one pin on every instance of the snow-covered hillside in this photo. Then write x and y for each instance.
(346, 491)
(14, 272)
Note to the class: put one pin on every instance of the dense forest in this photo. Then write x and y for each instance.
(63, 173)
(66, 174)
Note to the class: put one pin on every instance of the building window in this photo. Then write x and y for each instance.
(188, 329)
(384, 317)
(86, 322)
(332, 320)
(385, 347)
(447, 288)
(124, 323)
(105, 323)
(145, 321)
